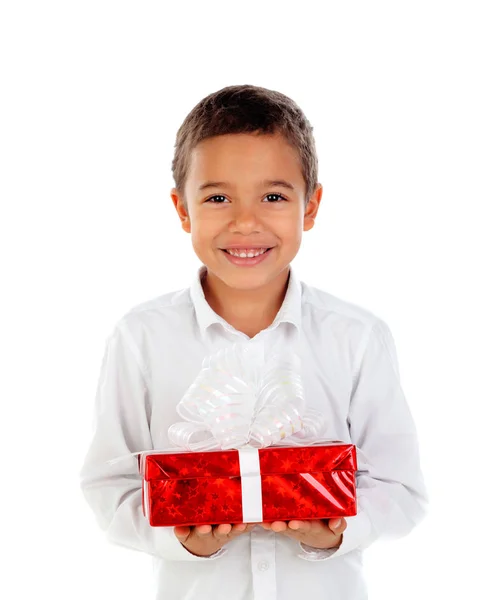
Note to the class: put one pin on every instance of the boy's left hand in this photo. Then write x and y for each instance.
(322, 534)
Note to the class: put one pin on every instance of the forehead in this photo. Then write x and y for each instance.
(256, 156)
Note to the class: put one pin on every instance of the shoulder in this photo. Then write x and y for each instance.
(168, 311)
(336, 322)
(334, 310)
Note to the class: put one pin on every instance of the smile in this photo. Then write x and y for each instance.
(247, 261)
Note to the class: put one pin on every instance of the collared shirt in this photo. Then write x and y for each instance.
(350, 374)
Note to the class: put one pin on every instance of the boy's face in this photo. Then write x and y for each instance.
(241, 212)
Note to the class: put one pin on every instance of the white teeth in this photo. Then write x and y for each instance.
(249, 254)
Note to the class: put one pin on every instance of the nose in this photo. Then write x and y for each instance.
(245, 219)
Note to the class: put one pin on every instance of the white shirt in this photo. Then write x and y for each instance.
(350, 374)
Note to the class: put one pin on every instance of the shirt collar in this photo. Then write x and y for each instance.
(290, 310)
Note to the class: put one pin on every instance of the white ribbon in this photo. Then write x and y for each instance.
(238, 399)
(250, 472)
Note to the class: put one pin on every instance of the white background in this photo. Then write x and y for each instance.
(402, 97)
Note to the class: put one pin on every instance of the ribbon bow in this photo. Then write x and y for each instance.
(239, 400)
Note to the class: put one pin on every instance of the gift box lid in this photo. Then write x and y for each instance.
(274, 460)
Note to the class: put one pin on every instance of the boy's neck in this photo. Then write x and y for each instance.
(247, 311)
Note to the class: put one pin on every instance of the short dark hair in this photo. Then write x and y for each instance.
(246, 109)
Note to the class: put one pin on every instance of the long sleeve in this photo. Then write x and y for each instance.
(121, 426)
(391, 494)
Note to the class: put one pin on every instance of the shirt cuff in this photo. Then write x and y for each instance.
(358, 530)
(310, 553)
(216, 554)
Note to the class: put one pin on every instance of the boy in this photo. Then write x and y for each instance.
(245, 170)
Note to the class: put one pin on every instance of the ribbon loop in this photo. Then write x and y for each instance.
(237, 401)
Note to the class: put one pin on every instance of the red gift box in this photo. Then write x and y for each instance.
(249, 485)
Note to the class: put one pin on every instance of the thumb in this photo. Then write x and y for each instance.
(182, 533)
(334, 523)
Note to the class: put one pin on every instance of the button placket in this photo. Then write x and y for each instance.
(263, 565)
(263, 549)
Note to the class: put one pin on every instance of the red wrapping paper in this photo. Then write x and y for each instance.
(195, 488)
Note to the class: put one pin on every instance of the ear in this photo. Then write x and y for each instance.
(182, 210)
(311, 210)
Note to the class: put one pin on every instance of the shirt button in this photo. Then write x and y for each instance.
(263, 565)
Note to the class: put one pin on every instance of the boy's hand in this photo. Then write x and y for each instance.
(322, 534)
(205, 540)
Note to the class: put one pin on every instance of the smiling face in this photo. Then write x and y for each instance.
(246, 190)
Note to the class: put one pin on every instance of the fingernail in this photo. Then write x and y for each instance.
(336, 523)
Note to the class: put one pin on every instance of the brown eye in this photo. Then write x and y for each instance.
(275, 196)
(217, 196)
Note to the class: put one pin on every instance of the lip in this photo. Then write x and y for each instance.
(245, 246)
(247, 262)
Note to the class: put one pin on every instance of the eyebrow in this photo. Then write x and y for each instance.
(265, 183)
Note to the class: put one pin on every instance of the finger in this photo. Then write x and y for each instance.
(300, 526)
(318, 525)
(182, 533)
(221, 532)
(338, 526)
(265, 525)
(278, 526)
(203, 530)
(242, 527)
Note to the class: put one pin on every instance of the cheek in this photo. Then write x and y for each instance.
(290, 231)
(201, 229)
(203, 234)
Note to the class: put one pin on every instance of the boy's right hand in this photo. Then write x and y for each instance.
(205, 540)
